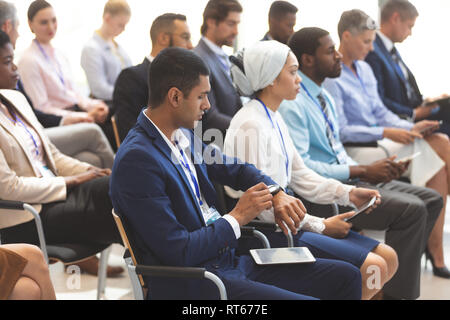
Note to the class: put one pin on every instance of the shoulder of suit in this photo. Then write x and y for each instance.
(19, 101)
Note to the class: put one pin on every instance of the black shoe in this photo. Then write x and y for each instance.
(438, 272)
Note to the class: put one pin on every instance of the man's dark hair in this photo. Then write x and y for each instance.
(279, 9)
(164, 23)
(37, 6)
(219, 10)
(174, 67)
(4, 39)
(404, 8)
(306, 41)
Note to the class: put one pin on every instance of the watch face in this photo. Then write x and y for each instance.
(274, 189)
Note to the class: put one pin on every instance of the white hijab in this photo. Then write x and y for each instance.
(258, 66)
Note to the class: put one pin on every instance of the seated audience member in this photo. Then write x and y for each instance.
(311, 118)
(24, 274)
(45, 74)
(271, 73)
(397, 86)
(282, 19)
(73, 196)
(220, 28)
(363, 117)
(131, 89)
(102, 57)
(161, 185)
(83, 141)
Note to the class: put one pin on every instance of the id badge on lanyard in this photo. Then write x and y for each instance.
(210, 215)
(46, 172)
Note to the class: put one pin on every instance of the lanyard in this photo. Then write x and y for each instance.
(194, 180)
(26, 129)
(280, 136)
(320, 108)
(58, 70)
(361, 81)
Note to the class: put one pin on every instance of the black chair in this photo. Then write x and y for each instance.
(137, 270)
(67, 253)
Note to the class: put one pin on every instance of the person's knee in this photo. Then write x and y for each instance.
(26, 289)
(390, 257)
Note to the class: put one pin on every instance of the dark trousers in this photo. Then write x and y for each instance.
(408, 214)
(84, 218)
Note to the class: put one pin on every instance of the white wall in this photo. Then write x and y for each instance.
(77, 19)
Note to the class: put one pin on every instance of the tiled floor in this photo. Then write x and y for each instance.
(432, 288)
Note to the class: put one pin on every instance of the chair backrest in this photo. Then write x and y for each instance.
(116, 131)
(126, 242)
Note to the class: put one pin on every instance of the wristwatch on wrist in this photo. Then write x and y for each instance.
(274, 189)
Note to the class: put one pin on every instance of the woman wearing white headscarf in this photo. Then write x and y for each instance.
(267, 72)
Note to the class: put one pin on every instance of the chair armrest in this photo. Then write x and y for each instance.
(12, 205)
(265, 226)
(373, 144)
(183, 272)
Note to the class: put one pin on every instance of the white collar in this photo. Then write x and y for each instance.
(214, 47)
(150, 59)
(386, 41)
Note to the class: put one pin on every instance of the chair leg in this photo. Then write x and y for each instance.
(103, 265)
(137, 288)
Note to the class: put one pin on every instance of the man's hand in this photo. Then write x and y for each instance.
(384, 170)
(401, 135)
(424, 111)
(337, 227)
(359, 196)
(77, 117)
(289, 212)
(252, 202)
(91, 174)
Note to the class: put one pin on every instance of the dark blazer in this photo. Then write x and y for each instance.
(155, 197)
(224, 98)
(47, 120)
(391, 85)
(130, 96)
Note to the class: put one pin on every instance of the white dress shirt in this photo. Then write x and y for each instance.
(184, 144)
(252, 138)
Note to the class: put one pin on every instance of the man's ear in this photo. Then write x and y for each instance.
(174, 97)
(308, 60)
(164, 39)
(7, 26)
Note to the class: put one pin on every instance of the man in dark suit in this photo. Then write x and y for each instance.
(220, 28)
(162, 186)
(396, 83)
(282, 19)
(131, 88)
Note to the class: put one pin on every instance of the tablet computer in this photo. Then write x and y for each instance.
(362, 209)
(282, 255)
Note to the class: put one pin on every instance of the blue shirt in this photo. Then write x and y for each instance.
(307, 128)
(361, 113)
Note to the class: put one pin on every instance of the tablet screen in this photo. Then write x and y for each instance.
(282, 255)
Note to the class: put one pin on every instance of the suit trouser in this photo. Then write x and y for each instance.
(83, 141)
(408, 214)
(83, 218)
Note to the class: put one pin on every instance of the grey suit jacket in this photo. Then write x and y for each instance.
(224, 99)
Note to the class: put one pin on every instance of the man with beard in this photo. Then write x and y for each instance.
(407, 212)
(131, 90)
(220, 28)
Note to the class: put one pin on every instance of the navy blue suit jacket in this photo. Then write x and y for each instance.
(391, 86)
(155, 197)
(224, 98)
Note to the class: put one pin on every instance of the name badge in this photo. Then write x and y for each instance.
(211, 215)
(46, 172)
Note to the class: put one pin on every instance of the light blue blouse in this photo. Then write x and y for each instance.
(361, 113)
(102, 63)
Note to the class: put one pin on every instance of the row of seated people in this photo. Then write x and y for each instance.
(428, 204)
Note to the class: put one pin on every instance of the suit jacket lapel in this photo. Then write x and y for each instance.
(216, 62)
(161, 144)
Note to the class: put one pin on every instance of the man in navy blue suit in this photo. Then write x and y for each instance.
(396, 83)
(162, 185)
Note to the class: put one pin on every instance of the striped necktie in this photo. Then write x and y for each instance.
(409, 89)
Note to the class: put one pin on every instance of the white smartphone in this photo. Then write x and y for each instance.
(409, 158)
(282, 255)
(362, 209)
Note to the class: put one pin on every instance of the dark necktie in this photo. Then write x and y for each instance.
(409, 89)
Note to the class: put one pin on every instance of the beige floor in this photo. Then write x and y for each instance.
(432, 288)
